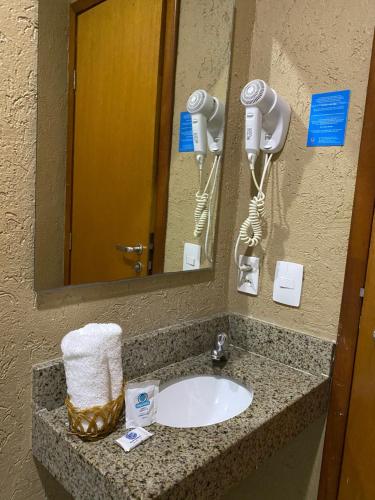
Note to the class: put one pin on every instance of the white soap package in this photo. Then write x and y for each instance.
(141, 403)
(133, 438)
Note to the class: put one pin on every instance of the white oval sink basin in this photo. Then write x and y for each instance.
(201, 400)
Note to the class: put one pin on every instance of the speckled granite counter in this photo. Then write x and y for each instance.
(189, 463)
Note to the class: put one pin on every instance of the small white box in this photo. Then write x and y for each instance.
(287, 286)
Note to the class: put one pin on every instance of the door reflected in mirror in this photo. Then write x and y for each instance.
(128, 174)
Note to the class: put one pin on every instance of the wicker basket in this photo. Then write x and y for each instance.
(96, 422)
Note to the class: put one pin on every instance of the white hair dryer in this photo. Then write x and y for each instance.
(266, 127)
(267, 119)
(207, 114)
(207, 117)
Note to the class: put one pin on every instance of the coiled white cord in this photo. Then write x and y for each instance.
(251, 229)
(203, 209)
(211, 204)
(200, 213)
(253, 221)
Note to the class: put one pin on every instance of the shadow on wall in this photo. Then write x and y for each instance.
(292, 473)
(281, 191)
(53, 490)
(284, 184)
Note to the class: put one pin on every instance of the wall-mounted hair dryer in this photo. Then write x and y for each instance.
(266, 127)
(267, 119)
(207, 117)
(207, 114)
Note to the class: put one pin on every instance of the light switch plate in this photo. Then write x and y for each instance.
(287, 287)
(192, 257)
(248, 281)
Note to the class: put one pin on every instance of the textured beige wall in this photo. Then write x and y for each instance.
(286, 35)
(51, 146)
(300, 48)
(32, 326)
(203, 62)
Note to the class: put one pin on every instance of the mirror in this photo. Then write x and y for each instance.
(122, 191)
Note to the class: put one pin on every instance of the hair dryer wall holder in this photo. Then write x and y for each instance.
(215, 145)
(272, 139)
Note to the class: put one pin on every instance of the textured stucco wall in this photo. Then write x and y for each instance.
(32, 325)
(203, 61)
(53, 20)
(300, 48)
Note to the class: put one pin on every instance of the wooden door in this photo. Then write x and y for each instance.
(117, 60)
(358, 474)
(352, 303)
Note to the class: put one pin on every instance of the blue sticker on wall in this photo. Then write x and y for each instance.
(186, 144)
(328, 118)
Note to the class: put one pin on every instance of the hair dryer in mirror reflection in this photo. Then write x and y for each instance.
(207, 114)
(267, 119)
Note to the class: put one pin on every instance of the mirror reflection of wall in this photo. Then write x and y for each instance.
(106, 148)
(203, 63)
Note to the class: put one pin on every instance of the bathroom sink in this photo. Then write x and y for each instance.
(201, 400)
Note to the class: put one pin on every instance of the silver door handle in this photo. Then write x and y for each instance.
(138, 248)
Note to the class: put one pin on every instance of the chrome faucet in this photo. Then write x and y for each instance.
(220, 351)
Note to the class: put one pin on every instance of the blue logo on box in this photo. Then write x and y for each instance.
(328, 118)
(142, 400)
(186, 143)
(131, 435)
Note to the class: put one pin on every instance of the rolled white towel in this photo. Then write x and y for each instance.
(113, 336)
(93, 365)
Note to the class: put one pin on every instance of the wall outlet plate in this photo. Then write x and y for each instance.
(248, 280)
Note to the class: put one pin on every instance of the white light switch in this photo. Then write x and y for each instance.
(192, 257)
(248, 276)
(286, 282)
(287, 286)
(190, 260)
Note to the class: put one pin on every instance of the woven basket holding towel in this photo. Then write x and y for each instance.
(97, 421)
(94, 378)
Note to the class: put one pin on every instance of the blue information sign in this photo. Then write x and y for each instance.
(186, 144)
(328, 118)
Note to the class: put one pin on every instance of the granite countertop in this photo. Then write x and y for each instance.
(187, 463)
